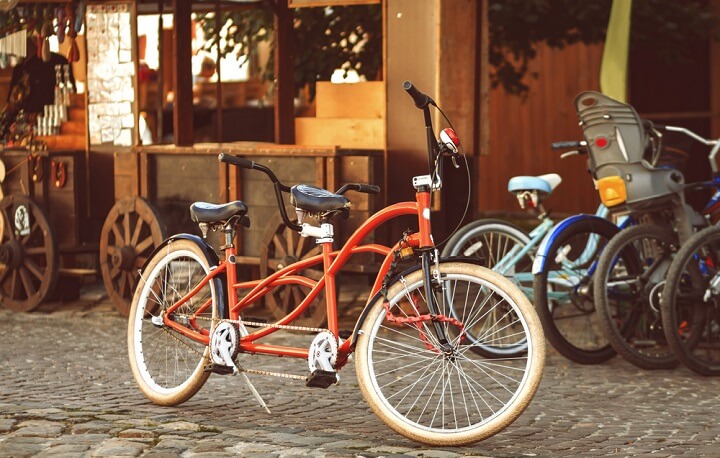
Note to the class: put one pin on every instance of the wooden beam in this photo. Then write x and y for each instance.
(315, 3)
(182, 69)
(284, 74)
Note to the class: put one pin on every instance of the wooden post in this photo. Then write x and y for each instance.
(161, 76)
(483, 74)
(218, 84)
(284, 74)
(714, 75)
(182, 69)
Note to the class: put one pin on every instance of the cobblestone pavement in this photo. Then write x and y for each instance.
(66, 390)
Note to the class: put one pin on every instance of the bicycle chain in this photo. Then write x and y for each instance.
(257, 324)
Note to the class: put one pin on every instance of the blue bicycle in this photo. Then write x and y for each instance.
(553, 265)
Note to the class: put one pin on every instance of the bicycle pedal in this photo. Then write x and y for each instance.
(321, 379)
(255, 319)
(218, 369)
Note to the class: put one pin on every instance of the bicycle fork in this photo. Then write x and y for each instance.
(431, 284)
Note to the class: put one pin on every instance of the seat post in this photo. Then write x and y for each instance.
(228, 231)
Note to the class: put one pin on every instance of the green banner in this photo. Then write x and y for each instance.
(614, 66)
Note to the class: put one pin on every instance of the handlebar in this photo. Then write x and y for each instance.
(234, 160)
(688, 132)
(567, 144)
(421, 100)
(364, 188)
(280, 188)
(715, 143)
(579, 145)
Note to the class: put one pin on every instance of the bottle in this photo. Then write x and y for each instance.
(59, 86)
(69, 87)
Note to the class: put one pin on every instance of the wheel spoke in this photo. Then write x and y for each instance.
(34, 268)
(34, 251)
(136, 233)
(7, 227)
(300, 247)
(122, 283)
(278, 245)
(117, 232)
(114, 272)
(140, 261)
(34, 228)
(126, 228)
(27, 282)
(4, 273)
(144, 245)
(290, 241)
(14, 284)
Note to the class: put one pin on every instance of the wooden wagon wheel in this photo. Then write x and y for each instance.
(29, 258)
(131, 232)
(280, 247)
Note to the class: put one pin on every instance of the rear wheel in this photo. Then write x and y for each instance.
(496, 244)
(448, 395)
(490, 240)
(168, 350)
(564, 296)
(691, 303)
(628, 284)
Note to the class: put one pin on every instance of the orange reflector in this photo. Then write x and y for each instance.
(612, 191)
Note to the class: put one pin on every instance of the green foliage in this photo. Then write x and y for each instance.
(325, 39)
(246, 29)
(665, 27)
(348, 37)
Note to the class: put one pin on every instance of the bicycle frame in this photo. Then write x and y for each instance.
(537, 235)
(333, 262)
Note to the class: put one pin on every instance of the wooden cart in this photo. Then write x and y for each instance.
(43, 235)
(155, 185)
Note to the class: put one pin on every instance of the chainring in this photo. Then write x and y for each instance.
(224, 336)
(323, 352)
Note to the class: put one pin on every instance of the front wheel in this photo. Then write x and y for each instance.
(167, 362)
(691, 303)
(502, 247)
(563, 291)
(628, 284)
(448, 394)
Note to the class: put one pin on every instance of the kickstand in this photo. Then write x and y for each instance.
(225, 355)
(255, 392)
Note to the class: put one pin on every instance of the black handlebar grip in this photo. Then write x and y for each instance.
(662, 127)
(421, 100)
(369, 189)
(566, 144)
(234, 160)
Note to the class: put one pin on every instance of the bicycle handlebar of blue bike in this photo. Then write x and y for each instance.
(566, 144)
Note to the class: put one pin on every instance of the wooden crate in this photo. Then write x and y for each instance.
(346, 115)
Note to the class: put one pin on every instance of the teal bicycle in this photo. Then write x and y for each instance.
(552, 264)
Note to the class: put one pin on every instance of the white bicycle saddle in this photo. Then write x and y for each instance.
(542, 183)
